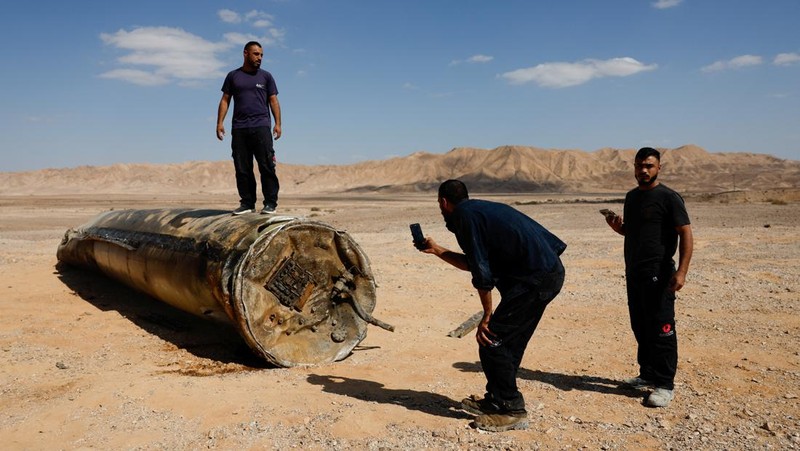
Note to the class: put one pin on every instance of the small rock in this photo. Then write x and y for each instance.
(768, 426)
(790, 396)
(61, 365)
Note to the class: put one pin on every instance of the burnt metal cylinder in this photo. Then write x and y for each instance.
(299, 292)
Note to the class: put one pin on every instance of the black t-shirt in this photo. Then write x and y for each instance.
(650, 219)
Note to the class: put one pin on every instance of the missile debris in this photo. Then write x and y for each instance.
(299, 292)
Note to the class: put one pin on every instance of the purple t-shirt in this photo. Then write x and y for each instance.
(250, 92)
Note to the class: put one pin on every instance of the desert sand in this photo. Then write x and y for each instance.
(86, 363)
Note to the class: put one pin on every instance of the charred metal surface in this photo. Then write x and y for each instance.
(299, 292)
(291, 284)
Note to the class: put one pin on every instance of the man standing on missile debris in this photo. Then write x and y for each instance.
(653, 220)
(254, 94)
(507, 250)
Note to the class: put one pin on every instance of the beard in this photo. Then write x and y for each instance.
(646, 183)
(447, 221)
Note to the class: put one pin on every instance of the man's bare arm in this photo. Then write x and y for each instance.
(275, 106)
(222, 110)
(456, 259)
(484, 336)
(685, 249)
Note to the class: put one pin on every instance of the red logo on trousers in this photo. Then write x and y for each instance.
(666, 328)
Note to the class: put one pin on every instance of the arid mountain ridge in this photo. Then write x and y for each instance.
(505, 169)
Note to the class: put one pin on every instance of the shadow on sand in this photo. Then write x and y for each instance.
(202, 338)
(564, 382)
(422, 401)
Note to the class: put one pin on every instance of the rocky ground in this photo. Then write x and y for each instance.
(86, 363)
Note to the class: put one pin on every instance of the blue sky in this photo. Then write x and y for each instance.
(100, 82)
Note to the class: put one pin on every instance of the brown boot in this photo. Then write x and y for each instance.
(499, 422)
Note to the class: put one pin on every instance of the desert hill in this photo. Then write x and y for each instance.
(689, 169)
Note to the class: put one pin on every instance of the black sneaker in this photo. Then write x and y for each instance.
(479, 406)
(242, 210)
(268, 209)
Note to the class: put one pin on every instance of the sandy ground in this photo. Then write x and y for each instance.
(86, 363)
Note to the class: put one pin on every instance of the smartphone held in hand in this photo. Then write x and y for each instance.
(417, 236)
(607, 213)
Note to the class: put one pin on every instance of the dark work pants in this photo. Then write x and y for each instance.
(514, 322)
(652, 311)
(247, 144)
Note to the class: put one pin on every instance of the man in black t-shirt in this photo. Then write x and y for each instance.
(504, 249)
(254, 94)
(654, 221)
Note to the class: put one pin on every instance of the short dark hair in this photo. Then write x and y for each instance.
(454, 191)
(646, 152)
(251, 44)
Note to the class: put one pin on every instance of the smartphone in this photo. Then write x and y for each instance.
(607, 213)
(417, 236)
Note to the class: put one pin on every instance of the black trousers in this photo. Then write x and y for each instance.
(652, 311)
(513, 322)
(248, 144)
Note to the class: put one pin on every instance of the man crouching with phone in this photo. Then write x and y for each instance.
(507, 250)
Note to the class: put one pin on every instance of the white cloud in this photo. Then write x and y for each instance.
(239, 39)
(479, 59)
(259, 19)
(786, 59)
(734, 63)
(474, 59)
(276, 34)
(664, 4)
(746, 60)
(561, 75)
(137, 77)
(272, 36)
(160, 55)
(228, 16)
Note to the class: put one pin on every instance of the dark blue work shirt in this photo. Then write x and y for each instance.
(504, 247)
(251, 93)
